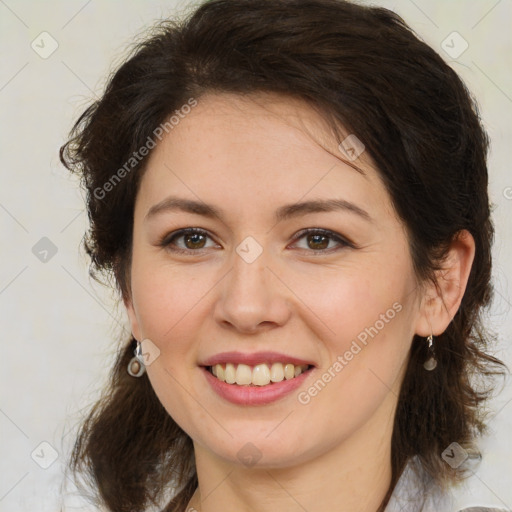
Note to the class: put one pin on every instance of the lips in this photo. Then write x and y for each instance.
(255, 379)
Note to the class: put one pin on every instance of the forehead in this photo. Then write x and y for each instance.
(237, 149)
(260, 120)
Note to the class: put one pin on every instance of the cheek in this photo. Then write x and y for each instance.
(164, 297)
(367, 328)
(168, 303)
(347, 304)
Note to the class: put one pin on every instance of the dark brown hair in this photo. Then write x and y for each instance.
(365, 72)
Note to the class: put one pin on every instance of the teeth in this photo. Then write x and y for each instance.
(220, 372)
(277, 372)
(243, 375)
(289, 371)
(230, 374)
(259, 375)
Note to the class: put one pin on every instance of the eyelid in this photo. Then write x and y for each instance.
(165, 241)
(341, 240)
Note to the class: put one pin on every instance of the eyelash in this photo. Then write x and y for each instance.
(167, 240)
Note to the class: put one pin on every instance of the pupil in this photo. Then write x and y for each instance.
(317, 239)
(194, 241)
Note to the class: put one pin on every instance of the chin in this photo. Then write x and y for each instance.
(259, 451)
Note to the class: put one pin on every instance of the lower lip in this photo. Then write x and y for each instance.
(254, 395)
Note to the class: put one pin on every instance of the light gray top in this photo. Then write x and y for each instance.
(410, 495)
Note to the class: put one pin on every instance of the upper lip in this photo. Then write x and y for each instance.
(253, 359)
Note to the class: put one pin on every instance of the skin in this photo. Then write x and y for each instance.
(247, 157)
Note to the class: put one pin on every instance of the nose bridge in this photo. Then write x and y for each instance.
(251, 296)
(248, 279)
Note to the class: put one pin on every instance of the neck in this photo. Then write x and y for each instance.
(354, 475)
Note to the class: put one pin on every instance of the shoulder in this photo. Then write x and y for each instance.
(415, 492)
(482, 509)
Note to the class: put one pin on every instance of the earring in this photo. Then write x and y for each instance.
(136, 367)
(431, 362)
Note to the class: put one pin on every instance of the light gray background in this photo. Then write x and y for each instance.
(58, 328)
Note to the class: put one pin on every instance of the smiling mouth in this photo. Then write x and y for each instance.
(258, 375)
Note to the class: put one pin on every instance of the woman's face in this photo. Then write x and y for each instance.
(252, 289)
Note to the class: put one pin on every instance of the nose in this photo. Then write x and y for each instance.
(252, 298)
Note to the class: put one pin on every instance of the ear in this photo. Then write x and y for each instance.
(132, 317)
(441, 300)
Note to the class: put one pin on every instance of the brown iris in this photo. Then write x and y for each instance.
(194, 241)
(318, 241)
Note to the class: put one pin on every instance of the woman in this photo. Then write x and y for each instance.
(292, 199)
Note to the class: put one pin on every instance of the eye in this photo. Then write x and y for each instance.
(193, 240)
(321, 240)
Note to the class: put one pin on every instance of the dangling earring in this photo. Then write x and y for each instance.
(431, 362)
(136, 367)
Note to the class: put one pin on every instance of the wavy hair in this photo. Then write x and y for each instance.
(365, 72)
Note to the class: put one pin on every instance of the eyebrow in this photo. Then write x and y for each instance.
(174, 203)
(320, 205)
